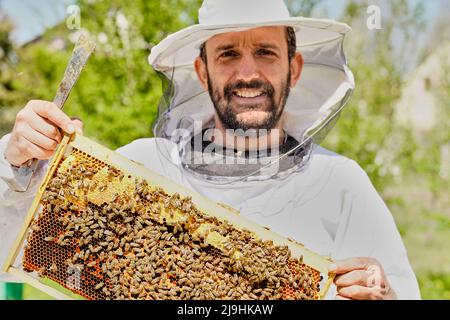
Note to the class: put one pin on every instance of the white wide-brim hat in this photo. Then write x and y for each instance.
(325, 82)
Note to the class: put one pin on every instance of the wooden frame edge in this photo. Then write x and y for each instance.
(54, 293)
(15, 249)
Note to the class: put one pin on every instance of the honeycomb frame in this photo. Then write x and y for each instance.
(124, 179)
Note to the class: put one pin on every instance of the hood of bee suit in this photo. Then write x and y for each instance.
(311, 109)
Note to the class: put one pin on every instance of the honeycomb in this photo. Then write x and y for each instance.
(105, 233)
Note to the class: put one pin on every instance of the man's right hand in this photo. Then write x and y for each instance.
(36, 132)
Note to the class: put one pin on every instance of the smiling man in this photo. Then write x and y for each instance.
(253, 71)
(252, 93)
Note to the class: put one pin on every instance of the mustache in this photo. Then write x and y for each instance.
(264, 86)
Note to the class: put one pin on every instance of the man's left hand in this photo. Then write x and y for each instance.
(361, 279)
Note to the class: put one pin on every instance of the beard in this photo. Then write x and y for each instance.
(226, 108)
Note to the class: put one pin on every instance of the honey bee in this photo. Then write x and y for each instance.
(41, 271)
(69, 234)
(87, 240)
(88, 174)
(115, 197)
(106, 291)
(53, 267)
(99, 286)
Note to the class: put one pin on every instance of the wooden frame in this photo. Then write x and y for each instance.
(207, 206)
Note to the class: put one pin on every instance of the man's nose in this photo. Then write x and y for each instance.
(247, 69)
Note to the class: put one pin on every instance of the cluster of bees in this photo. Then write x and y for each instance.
(145, 244)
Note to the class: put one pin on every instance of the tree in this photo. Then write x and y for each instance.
(117, 93)
(9, 97)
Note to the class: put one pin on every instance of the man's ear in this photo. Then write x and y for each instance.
(296, 66)
(202, 73)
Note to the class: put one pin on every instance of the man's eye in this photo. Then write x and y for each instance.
(265, 52)
(228, 54)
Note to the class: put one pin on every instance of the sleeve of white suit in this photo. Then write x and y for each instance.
(13, 205)
(369, 230)
(390, 250)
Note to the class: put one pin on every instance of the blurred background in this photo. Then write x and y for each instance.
(396, 125)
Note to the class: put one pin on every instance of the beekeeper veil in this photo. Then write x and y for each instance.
(186, 111)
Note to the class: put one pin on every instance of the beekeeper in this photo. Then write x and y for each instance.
(251, 92)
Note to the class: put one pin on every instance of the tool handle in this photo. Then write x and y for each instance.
(83, 49)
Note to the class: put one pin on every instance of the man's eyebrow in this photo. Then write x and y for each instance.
(269, 46)
(225, 47)
(264, 45)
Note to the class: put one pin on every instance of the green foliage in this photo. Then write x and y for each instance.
(435, 286)
(117, 93)
(8, 95)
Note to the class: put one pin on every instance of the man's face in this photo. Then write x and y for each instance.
(248, 75)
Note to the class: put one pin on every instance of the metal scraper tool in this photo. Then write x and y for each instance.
(83, 49)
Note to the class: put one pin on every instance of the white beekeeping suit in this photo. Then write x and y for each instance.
(307, 193)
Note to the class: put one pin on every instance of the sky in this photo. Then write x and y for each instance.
(32, 17)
